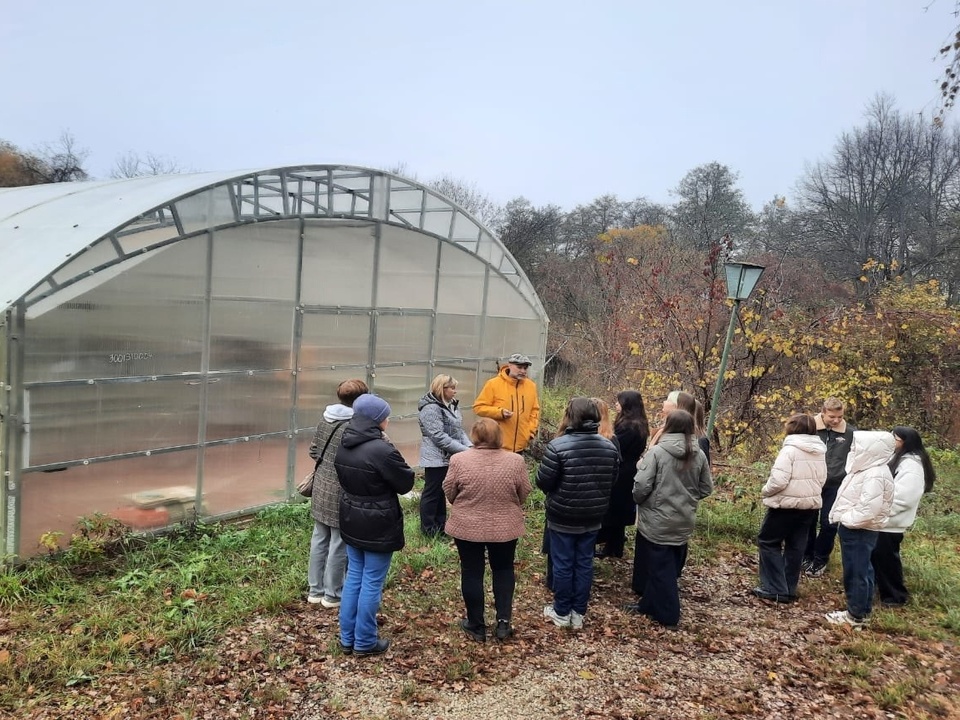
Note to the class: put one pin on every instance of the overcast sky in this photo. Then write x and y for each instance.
(556, 100)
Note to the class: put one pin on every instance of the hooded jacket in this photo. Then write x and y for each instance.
(865, 497)
(838, 446)
(577, 474)
(797, 476)
(325, 498)
(372, 473)
(908, 488)
(667, 494)
(442, 429)
(519, 396)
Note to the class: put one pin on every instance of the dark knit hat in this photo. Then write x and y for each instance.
(371, 406)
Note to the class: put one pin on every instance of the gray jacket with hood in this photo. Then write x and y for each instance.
(442, 429)
(667, 494)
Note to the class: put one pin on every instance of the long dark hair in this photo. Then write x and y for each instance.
(680, 421)
(913, 443)
(632, 413)
(686, 401)
(579, 412)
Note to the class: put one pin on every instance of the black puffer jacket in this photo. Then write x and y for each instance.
(577, 473)
(372, 473)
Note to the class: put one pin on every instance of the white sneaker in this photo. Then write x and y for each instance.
(559, 620)
(843, 617)
(314, 599)
(331, 603)
(576, 620)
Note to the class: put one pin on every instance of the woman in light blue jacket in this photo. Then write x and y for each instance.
(441, 426)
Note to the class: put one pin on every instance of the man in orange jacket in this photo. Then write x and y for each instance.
(510, 398)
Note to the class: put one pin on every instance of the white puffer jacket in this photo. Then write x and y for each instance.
(907, 491)
(797, 475)
(865, 496)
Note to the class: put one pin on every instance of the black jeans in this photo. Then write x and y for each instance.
(655, 572)
(472, 567)
(433, 503)
(782, 538)
(820, 545)
(888, 569)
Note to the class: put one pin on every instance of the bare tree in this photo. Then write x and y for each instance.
(60, 161)
(131, 164)
(710, 207)
(950, 86)
(470, 198)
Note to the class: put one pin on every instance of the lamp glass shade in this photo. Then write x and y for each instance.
(741, 279)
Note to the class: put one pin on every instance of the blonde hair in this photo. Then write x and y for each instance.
(606, 426)
(832, 403)
(439, 383)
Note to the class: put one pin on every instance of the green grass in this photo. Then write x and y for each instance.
(106, 608)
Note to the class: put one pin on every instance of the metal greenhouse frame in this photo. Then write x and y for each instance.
(167, 342)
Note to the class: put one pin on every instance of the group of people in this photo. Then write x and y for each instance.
(864, 486)
(599, 477)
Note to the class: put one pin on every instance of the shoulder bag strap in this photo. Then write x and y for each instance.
(323, 452)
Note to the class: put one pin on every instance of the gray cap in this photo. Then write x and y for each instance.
(518, 359)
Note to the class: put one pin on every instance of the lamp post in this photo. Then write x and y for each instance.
(741, 280)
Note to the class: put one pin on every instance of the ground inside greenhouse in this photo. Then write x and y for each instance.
(733, 656)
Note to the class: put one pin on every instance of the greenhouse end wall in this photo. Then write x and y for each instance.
(186, 378)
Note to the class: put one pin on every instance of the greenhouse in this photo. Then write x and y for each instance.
(167, 343)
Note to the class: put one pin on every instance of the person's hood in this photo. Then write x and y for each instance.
(505, 374)
(841, 428)
(674, 443)
(337, 412)
(587, 427)
(360, 430)
(807, 443)
(870, 448)
(431, 399)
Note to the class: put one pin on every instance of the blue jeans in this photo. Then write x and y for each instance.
(328, 562)
(820, 545)
(366, 573)
(571, 558)
(856, 546)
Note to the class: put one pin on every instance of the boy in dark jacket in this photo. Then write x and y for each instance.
(577, 473)
(372, 473)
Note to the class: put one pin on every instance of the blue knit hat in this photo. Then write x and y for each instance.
(371, 406)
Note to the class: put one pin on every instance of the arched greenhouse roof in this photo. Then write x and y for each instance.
(55, 236)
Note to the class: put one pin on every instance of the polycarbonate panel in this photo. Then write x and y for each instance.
(337, 264)
(464, 228)
(461, 281)
(467, 388)
(505, 336)
(256, 261)
(438, 222)
(404, 197)
(205, 209)
(54, 501)
(405, 436)
(147, 320)
(402, 387)
(408, 268)
(251, 334)
(100, 254)
(456, 336)
(318, 388)
(505, 300)
(242, 475)
(334, 339)
(244, 405)
(147, 237)
(78, 422)
(402, 338)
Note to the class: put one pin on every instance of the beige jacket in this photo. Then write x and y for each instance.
(797, 475)
(486, 490)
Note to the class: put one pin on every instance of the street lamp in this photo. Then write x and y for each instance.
(741, 280)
